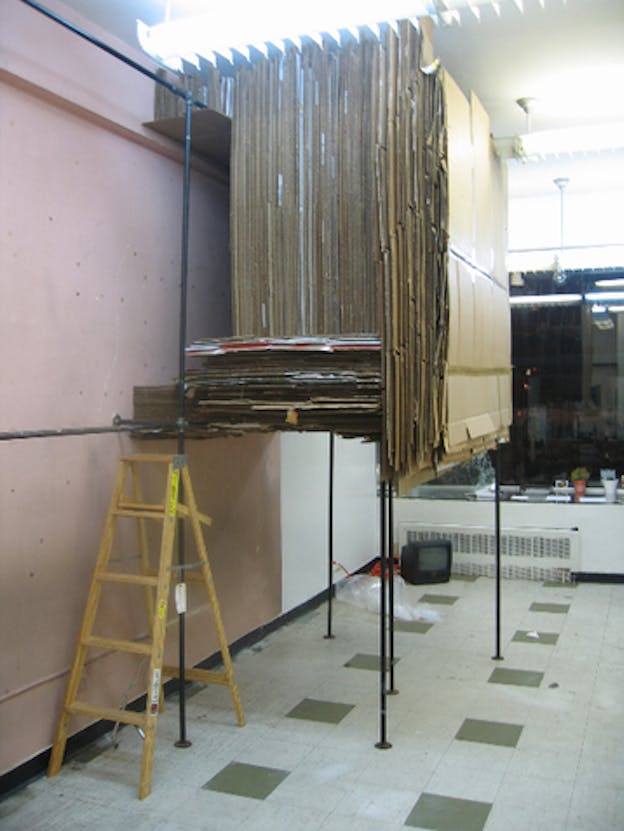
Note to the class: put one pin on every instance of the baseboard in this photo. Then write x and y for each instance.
(596, 577)
(20, 776)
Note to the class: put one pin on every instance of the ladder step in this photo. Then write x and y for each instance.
(132, 505)
(120, 577)
(204, 676)
(81, 708)
(159, 458)
(118, 645)
(138, 513)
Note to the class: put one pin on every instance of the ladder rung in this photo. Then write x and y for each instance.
(146, 513)
(81, 708)
(159, 458)
(119, 577)
(118, 645)
(204, 676)
(131, 505)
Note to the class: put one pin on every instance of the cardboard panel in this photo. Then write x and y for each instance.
(483, 204)
(499, 219)
(455, 329)
(461, 162)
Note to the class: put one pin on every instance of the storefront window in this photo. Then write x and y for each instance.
(568, 381)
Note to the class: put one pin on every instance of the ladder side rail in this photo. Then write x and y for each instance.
(88, 620)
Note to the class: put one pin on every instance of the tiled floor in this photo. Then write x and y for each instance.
(530, 742)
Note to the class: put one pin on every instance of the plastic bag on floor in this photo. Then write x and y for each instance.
(362, 590)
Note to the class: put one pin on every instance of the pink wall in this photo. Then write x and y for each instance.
(90, 214)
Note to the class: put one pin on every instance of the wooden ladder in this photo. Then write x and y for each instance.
(156, 583)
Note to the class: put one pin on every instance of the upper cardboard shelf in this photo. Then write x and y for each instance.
(211, 133)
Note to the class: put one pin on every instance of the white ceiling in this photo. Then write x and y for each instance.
(567, 54)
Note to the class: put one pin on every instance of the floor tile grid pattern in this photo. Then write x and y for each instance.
(454, 744)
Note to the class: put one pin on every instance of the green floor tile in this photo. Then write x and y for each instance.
(363, 661)
(310, 709)
(412, 626)
(546, 638)
(489, 732)
(440, 599)
(252, 781)
(516, 677)
(445, 813)
(553, 608)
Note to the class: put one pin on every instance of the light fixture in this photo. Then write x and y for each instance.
(616, 282)
(248, 23)
(559, 275)
(591, 138)
(545, 300)
(604, 296)
(526, 105)
(237, 26)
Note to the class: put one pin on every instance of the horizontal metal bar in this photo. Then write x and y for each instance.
(176, 90)
(119, 425)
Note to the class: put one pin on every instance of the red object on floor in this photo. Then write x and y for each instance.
(376, 569)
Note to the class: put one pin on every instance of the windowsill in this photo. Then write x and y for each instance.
(514, 493)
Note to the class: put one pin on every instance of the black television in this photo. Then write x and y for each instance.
(426, 561)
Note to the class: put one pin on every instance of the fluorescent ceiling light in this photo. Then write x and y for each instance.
(242, 23)
(248, 22)
(604, 296)
(615, 308)
(617, 282)
(545, 300)
(587, 139)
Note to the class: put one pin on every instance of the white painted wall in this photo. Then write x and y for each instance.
(600, 526)
(305, 511)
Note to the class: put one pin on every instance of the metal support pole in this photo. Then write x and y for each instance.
(383, 743)
(183, 741)
(330, 541)
(391, 688)
(497, 656)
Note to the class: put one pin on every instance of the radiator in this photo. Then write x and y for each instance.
(529, 553)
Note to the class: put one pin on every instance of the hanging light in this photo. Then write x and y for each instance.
(559, 275)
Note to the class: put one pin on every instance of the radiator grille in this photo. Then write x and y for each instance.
(530, 553)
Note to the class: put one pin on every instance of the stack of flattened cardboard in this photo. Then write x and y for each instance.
(302, 191)
(352, 210)
(339, 216)
(243, 385)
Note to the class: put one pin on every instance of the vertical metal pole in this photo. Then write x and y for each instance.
(391, 688)
(330, 541)
(497, 656)
(186, 198)
(382, 744)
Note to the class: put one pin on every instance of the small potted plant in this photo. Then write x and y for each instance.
(579, 477)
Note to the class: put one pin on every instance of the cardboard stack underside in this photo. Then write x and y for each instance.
(271, 384)
(353, 213)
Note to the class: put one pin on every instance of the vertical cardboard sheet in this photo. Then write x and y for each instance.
(483, 205)
(461, 164)
(478, 374)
